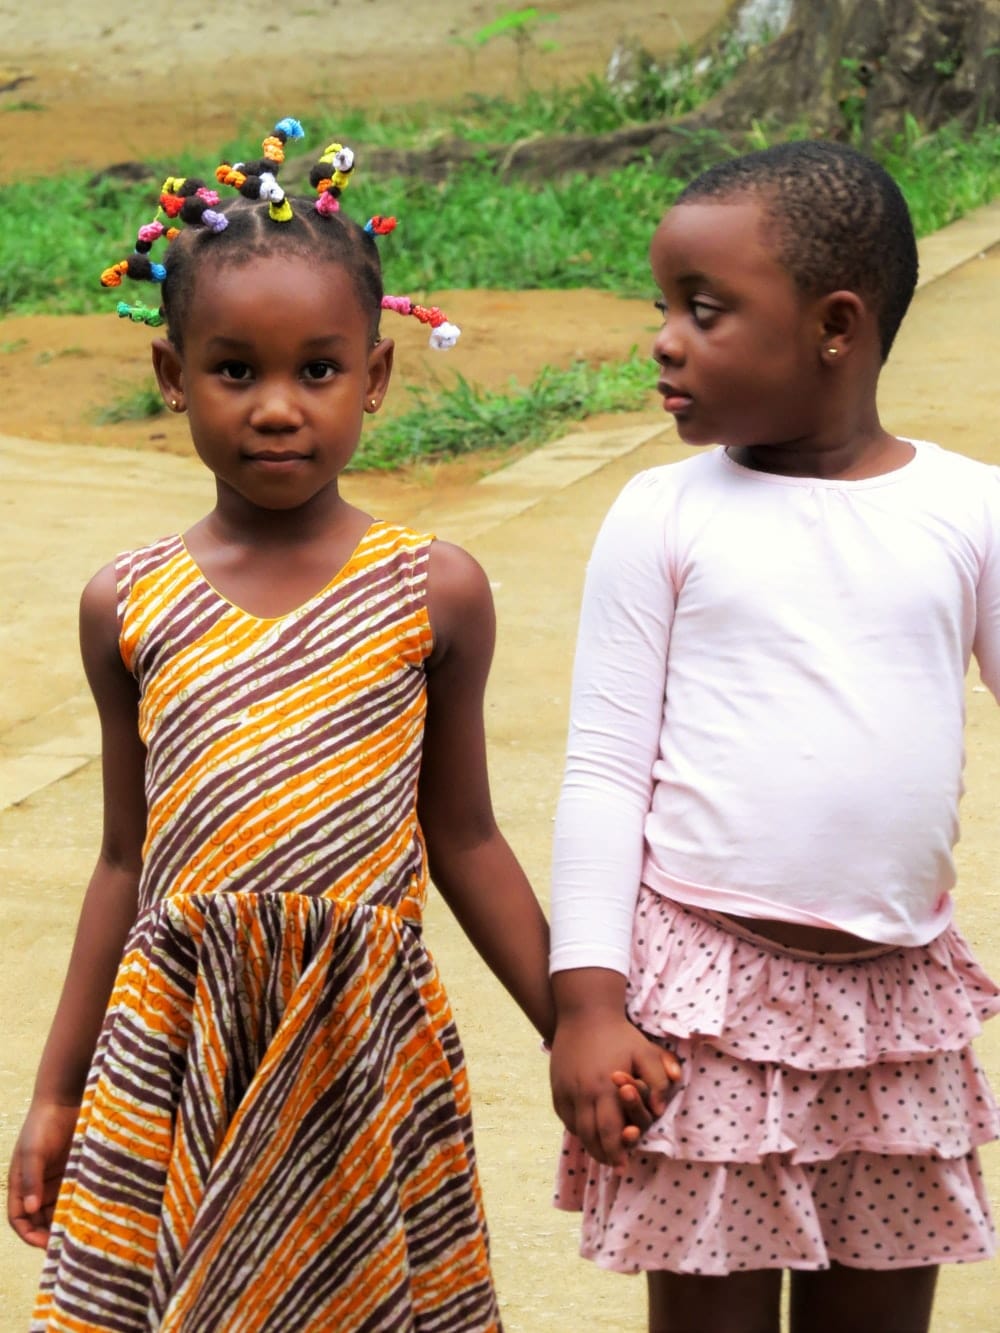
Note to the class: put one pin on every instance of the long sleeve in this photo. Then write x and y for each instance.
(616, 715)
(986, 643)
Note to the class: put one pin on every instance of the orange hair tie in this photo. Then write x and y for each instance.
(273, 149)
(227, 175)
(112, 277)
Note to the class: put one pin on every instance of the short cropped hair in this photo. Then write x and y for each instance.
(251, 234)
(839, 220)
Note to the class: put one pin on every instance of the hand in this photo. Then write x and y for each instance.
(608, 1111)
(36, 1170)
(634, 1099)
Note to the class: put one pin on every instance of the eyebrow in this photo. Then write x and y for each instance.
(221, 341)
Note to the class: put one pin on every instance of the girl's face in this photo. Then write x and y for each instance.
(276, 372)
(739, 347)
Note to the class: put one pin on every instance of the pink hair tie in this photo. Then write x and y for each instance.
(211, 197)
(151, 232)
(327, 204)
(444, 334)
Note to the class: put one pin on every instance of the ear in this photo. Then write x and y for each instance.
(379, 373)
(844, 319)
(169, 373)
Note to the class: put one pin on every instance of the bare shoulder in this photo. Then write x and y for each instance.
(459, 600)
(99, 621)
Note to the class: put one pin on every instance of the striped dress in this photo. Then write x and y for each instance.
(276, 1129)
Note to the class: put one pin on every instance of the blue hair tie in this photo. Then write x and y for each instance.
(291, 127)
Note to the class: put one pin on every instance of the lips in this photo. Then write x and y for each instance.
(674, 399)
(276, 456)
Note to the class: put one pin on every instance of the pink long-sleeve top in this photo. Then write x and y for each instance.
(768, 699)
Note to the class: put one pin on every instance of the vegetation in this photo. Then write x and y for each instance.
(465, 418)
(132, 405)
(475, 230)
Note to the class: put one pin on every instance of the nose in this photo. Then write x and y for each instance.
(668, 346)
(276, 407)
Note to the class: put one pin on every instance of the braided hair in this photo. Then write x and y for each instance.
(251, 234)
(238, 230)
(836, 220)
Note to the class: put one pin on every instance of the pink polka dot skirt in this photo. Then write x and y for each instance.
(829, 1108)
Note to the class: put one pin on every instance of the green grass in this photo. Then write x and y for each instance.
(472, 231)
(466, 418)
(469, 232)
(132, 405)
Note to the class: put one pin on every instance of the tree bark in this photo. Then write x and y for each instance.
(842, 69)
(843, 66)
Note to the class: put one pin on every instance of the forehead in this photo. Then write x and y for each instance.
(718, 239)
(271, 292)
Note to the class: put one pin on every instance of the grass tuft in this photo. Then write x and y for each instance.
(132, 405)
(466, 418)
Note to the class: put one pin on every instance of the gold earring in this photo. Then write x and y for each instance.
(831, 351)
(372, 404)
(173, 404)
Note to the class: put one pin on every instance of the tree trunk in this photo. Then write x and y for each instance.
(843, 69)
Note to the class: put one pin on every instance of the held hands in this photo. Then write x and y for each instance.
(609, 1111)
(36, 1170)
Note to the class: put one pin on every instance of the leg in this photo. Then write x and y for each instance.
(740, 1303)
(863, 1300)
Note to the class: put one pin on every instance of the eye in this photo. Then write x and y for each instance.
(704, 312)
(318, 371)
(661, 306)
(237, 371)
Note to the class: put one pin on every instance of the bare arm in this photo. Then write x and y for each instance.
(107, 915)
(470, 861)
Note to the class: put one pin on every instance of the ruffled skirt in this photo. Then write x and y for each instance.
(829, 1109)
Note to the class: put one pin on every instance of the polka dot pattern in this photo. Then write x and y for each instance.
(815, 1120)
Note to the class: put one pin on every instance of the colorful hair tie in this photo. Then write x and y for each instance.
(193, 202)
(380, 226)
(330, 177)
(139, 314)
(444, 334)
(259, 180)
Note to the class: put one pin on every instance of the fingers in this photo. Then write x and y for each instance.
(633, 1098)
(27, 1212)
(655, 1069)
(599, 1125)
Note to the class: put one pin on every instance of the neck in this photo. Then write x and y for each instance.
(846, 450)
(234, 521)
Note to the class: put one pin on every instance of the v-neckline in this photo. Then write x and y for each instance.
(331, 583)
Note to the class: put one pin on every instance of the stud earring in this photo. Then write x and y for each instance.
(173, 404)
(831, 351)
(372, 404)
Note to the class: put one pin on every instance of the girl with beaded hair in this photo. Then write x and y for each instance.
(753, 856)
(252, 1108)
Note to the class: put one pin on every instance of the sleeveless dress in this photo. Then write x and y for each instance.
(276, 1130)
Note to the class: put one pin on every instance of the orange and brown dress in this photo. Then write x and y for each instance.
(276, 1130)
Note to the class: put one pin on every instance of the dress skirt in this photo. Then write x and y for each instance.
(276, 1136)
(829, 1108)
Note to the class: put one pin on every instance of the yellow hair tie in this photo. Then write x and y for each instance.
(280, 212)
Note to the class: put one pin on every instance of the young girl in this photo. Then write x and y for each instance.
(753, 860)
(275, 1128)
